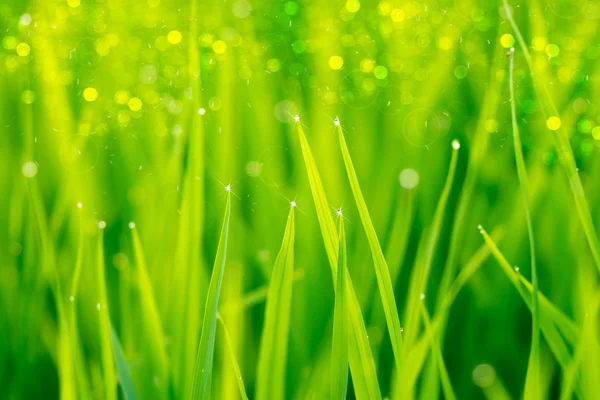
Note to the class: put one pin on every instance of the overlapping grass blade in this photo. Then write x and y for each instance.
(437, 354)
(362, 367)
(339, 352)
(106, 347)
(547, 313)
(418, 352)
(206, 348)
(232, 357)
(270, 378)
(150, 314)
(533, 371)
(123, 374)
(563, 146)
(386, 289)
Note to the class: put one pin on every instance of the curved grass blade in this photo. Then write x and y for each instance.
(437, 354)
(108, 363)
(563, 146)
(533, 371)
(150, 313)
(339, 352)
(362, 366)
(386, 289)
(206, 348)
(547, 315)
(123, 375)
(270, 378)
(234, 362)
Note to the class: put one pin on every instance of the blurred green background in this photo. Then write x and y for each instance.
(144, 110)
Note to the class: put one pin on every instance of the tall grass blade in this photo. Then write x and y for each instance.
(106, 347)
(206, 349)
(437, 355)
(123, 374)
(362, 366)
(270, 378)
(234, 363)
(339, 352)
(150, 314)
(386, 289)
(547, 315)
(533, 371)
(563, 146)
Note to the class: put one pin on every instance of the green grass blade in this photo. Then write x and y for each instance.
(386, 289)
(270, 378)
(339, 352)
(437, 354)
(106, 347)
(533, 371)
(547, 319)
(150, 314)
(233, 359)
(362, 367)
(563, 146)
(420, 274)
(123, 375)
(206, 349)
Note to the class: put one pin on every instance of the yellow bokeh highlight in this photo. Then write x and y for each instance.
(28, 96)
(74, 3)
(174, 37)
(90, 94)
(336, 62)
(219, 47)
(445, 43)
(121, 96)
(135, 104)
(352, 6)
(552, 50)
(23, 49)
(507, 40)
(539, 43)
(367, 65)
(384, 8)
(596, 133)
(553, 123)
(397, 15)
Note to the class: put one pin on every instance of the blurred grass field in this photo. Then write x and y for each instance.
(299, 199)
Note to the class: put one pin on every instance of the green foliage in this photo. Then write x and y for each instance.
(379, 286)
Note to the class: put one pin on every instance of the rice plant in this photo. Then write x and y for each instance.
(289, 200)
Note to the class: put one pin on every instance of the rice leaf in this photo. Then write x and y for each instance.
(123, 375)
(206, 348)
(362, 366)
(150, 314)
(547, 317)
(270, 378)
(106, 347)
(437, 354)
(339, 352)
(233, 359)
(563, 145)
(386, 288)
(533, 371)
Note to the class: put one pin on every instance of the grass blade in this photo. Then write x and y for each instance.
(437, 354)
(270, 379)
(563, 146)
(206, 349)
(547, 316)
(339, 352)
(123, 374)
(382, 272)
(106, 348)
(362, 366)
(150, 313)
(234, 362)
(533, 371)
